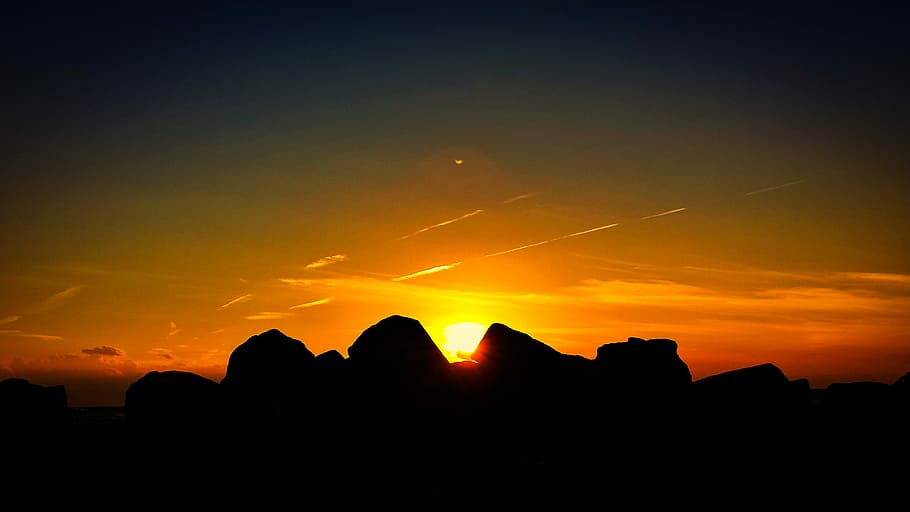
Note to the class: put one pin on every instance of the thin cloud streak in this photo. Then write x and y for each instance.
(518, 198)
(9, 319)
(661, 214)
(19, 334)
(238, 300)
(55, 299)
(433, 270)
(536, 244)
(777, 187)
(328, 260)
(269, 315)
(313, 303)
(444, 223)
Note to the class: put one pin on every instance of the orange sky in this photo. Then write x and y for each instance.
(310, 185)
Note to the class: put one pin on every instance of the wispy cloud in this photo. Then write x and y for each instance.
(269, 315)
(56, 299)
(433, 270)
(313, 303)
(103, 350)
(162, 352)
(238, 300)
(518, 198)
(9, 319)
(776, 187)
(563, 237)
(295, 281)
(327, 260)
(444, 223)
(174, 330)
(661, 214)
(20, 334)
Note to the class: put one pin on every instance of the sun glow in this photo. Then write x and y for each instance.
(461, 339)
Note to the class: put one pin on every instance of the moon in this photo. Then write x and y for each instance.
(459, 162)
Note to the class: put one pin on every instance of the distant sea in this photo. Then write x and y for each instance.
(98, 415)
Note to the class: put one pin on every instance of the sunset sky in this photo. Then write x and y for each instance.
(177, 179)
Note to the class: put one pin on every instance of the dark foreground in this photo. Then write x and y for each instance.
(734, 463)
(394, 424)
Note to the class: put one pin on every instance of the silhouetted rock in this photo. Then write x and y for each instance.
(25, 403)
(331, 390)
(519, 378)
(751, 396)
(174, 398)
(397, 369)
(862, 399)
(641, 375)
(268, 378)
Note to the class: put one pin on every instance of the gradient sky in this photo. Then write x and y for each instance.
(176, 179)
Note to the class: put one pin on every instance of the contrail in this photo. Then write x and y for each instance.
(778, 187)
(242, 298)
(313, 303)
(661, 214)
(517, 198)
(523, 247)
(433, 270)
(444, 223)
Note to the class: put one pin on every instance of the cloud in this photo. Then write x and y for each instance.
(174, 330)
(269, 315)
(162, 353)
(661, 214)
(776, 187)
(444, 223)
(433, 270)
(55, 299)
(312, 303)
(328, 260)
(518, 198)
(295, 281)
(103, 350)
(20, 334)
(536, 244)
(238, 300)
(9, 319)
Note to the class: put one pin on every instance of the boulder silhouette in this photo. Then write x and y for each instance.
(517, 375)
(641, 375)
(26, 403)
(268, 378)
(755, 395)
(397, 369)
(174, 398)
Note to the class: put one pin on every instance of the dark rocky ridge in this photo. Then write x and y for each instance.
(520, 416)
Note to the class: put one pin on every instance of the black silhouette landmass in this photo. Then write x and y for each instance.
(520, 421)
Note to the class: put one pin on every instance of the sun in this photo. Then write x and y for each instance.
(461, 339)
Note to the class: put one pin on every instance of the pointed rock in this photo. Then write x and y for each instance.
(397, 342)
(502, 346)
(396, 369)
